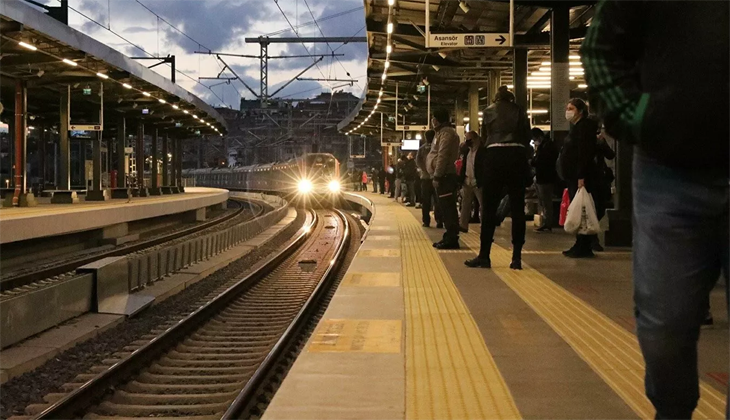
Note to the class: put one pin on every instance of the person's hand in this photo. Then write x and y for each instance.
(435, 184)
(581, 184)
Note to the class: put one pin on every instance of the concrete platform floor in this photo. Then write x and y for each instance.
(23, 223)
(560, 333)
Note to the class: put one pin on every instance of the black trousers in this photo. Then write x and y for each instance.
(382, 186)
(447, 192)
(429, 197)
(506, 168)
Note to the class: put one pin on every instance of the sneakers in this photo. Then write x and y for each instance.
(465, 230)
(446, 245)
(478, 263)
(544, 229)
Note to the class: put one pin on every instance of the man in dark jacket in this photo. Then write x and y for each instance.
(506, 131)
(441, 168)
(410, 175)
(666, 91)
(381, 179)
(428, 195)
(546, 155)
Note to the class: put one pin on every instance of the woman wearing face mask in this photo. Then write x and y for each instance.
(578, 164)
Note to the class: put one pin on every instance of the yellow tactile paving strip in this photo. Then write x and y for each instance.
(450, 373)
(611, 351)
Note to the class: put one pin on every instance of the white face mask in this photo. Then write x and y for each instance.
(569, 115)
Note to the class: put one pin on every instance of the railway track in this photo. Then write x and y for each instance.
(210, 364)
(70, 263)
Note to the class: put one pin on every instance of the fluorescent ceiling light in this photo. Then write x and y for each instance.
(127, 85)
(162, 101)
(70, 63)
(435, 67)
(175, 107)
(388, 48)
(582, 86)
(383, 76)
(391, 2)
(387, 64)
(146, 94)
(464, 7)
(390, 27)
(28, 46)
(537, 111)
(102, 75)
(185, 111)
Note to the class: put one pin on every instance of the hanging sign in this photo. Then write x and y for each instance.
(411, 127)
(469, 40)
(85, 127)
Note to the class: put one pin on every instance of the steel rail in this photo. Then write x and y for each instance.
(74, 403)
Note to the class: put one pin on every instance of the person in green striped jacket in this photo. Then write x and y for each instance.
(657, 72)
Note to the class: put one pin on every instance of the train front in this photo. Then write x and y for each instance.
(319, 182)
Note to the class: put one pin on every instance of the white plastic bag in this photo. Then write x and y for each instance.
(582, 218)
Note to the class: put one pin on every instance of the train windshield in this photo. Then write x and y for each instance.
(321, 166)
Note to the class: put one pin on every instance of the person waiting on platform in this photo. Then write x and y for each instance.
(637, 65)
(507, 135)
(364, 176)
(578, 166)
(467, 177)
(375, 180)
(410, 172)
(546, 154)
(381, 179)
(441, 168)
(429, 198)
(400, 178)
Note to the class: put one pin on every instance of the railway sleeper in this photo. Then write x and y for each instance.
(232, 336)
(153, 378)
(171, 362)
(214, 348)
(187, 371)
(108, 408)
(174, 354)
(94, 416)
(123, 397)
(154, 388)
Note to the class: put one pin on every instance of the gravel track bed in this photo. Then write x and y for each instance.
(31, 387)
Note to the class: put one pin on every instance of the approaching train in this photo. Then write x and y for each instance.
(314, 176)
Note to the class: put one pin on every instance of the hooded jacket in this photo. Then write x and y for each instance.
(444, 152)
(657, 73)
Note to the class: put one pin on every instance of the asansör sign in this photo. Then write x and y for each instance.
(469, 40)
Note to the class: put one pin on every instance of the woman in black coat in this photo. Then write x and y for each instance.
(578, 165)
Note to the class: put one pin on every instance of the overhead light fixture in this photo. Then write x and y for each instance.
(185, 111)
(425, 81)
(195, 116)
(134, 105)
(119, 101)
(380, 93)
(41, 73)
(388, 48)
(70, 63)
(390, 27)
(464, 7)
(442, 55)
(127, 85)
(415, 97)
(391, 2)
(435, 67)
(377, 102)
(162, 101)
(175, 107)
(383, 76)
(582, 86)
(102, 75)
(27, 46)
(537, 111)
(387, 64)
(146, 94)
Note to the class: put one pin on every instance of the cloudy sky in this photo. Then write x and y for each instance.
(221, 26)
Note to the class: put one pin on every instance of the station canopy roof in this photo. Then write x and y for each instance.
(448, 71)
(50, 56)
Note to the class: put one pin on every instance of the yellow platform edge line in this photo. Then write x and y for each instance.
(587, 331)
(449, 370)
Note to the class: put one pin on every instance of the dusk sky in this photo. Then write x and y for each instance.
(221, 26)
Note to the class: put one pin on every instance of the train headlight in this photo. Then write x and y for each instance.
(334, 186)
(305, 186)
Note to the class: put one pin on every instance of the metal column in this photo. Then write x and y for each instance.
(619, 231)
(139, 157)
(264, 73)
(64, 164)
(560, 71)
(20, 140)
(178, 163)
(42, 166)
(97, 193)
(121, 153)
(520, 77)
(165, 159)
(155, 190)
(493, 85)
(474, 107)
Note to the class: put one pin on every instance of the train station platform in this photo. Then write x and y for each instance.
(46, 219)
(412, 333)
